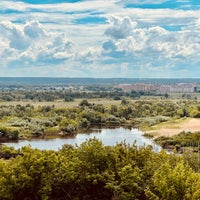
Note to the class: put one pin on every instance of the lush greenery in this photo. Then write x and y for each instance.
(18, 121)
(67, 95)
(93, 171)
(181, 141)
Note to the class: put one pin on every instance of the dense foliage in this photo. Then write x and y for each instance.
(180, 141)
(18, 121)
(51, 94)
(93, 171)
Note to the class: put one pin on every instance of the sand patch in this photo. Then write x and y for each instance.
(188, 125)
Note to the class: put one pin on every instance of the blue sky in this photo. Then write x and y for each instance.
(100, 38)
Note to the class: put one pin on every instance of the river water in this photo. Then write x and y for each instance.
(108, 137)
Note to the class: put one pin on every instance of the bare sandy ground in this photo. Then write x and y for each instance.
(188, 125)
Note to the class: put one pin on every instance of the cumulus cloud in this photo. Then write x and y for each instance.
(120, 27)
(14, 35)
(34, 29)
(131, 49)
(133, 40)
(33, 43)
(149, 44)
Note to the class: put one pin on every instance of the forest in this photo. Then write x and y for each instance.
(94, 171)
(67, 95)
(27, 121)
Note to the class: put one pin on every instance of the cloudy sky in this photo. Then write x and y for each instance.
(100, 38)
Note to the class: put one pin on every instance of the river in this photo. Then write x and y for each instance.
(107, 136)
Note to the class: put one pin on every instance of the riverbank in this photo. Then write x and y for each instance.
(169, 129)
(108, 137)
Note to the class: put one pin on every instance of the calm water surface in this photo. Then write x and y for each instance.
(107, 136)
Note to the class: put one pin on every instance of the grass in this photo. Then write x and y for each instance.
(171, 124)
(61, 104)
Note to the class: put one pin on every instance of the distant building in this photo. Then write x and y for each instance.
(137, 87)
(176, 88)
(197, 88)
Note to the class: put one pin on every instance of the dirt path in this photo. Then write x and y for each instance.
(188, 125)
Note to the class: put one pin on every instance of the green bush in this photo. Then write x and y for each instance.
(9, 133)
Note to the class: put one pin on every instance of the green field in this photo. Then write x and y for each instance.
(62, 104)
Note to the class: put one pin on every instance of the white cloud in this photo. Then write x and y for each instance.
(31, 42)
(150, 42)
(142, 2)
(120, 27)
(12, 5)
(34, 29)
(14, 35)
(149, 50)
(132, 41)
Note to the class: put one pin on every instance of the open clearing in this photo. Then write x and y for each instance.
(170, 129)
(62, 104)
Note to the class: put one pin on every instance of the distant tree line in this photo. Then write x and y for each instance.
(67, 95)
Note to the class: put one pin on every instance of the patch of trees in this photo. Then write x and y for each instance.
(93, 171)
(41, 121)
(183, 139)
(69, 95)
(8, 133)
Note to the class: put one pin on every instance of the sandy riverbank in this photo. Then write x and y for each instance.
(187, 125)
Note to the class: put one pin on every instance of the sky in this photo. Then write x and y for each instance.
(100, 38)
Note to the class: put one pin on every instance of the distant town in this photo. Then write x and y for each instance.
(160, 88)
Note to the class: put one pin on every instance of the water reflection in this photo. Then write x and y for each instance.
(108, 137)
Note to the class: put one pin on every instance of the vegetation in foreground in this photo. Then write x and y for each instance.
(93, 171)
(180, 142)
